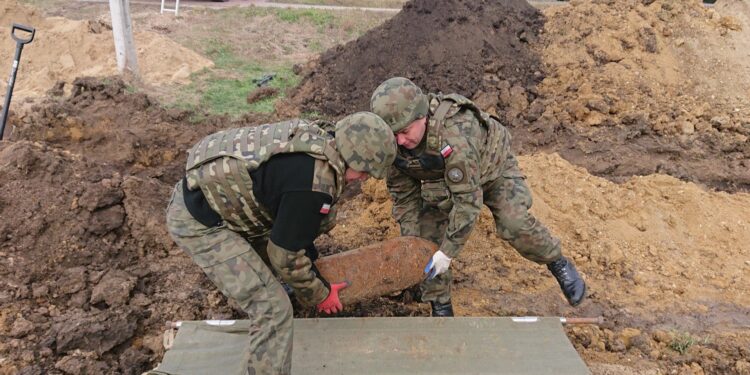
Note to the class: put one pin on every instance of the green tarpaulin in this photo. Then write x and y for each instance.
(387, 346)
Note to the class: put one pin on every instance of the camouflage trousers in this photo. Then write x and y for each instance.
(509, 200)
(239, 271)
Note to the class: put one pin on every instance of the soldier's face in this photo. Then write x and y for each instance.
(351, 175)
(410, 136)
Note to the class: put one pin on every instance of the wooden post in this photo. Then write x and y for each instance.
(122, 30)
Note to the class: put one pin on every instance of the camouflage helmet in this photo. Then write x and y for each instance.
(399, 102)
(366, 143)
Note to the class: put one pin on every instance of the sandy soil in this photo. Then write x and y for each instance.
(64, 49)
(665, 81)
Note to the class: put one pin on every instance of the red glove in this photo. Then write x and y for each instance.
(331, 304)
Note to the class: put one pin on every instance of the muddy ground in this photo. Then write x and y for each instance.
(89, 275)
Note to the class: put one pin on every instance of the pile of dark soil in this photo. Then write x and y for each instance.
(446, 46)
(85, 265)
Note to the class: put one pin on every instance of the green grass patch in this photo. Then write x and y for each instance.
(351, 3)
(229, 95)
(320, 18)
(682, 341)
(312, 115)
(223, 90)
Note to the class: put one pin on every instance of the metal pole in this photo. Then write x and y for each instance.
(122, 31)
(12, 79)
(567, 321)
(595, 321)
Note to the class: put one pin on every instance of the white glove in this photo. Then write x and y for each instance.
(437, 265)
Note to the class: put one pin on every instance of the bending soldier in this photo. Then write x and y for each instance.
(253, 200)
(452, 158)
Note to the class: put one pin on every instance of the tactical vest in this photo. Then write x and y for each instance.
(221, 163)
(429, 164)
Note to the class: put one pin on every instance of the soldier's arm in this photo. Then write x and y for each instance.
(406, 194)
(295, 227)
(462, 176)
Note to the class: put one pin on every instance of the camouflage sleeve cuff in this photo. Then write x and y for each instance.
(450, 249)
(296, 269)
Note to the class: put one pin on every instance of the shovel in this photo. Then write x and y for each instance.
(12, 79)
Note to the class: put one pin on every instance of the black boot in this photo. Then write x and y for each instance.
(441, 309)
(570, 281)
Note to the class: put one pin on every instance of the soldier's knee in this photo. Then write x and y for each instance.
(538, 246)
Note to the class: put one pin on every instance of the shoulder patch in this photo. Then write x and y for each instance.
(455, 174)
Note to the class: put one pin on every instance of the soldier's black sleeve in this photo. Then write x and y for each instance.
(283, 185)
(298, 218)
(294, 230)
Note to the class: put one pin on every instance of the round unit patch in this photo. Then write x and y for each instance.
(455, 175)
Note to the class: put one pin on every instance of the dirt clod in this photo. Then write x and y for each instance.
(261, 93)
(114, 289)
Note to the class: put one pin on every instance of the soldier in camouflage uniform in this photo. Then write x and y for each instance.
(452, 158)
(253, 200)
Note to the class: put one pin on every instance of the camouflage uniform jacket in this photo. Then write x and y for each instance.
(220, 166)
(458, 155)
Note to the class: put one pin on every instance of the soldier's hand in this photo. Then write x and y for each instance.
(437, 265)
(331, 304)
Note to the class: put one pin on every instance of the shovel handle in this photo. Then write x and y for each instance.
(28, 29)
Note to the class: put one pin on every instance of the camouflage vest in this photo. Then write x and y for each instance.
(221, 163)
(429, 163)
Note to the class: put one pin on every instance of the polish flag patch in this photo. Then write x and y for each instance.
(446, 151)
(325, 209)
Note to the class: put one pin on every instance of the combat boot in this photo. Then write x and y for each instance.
(570, 281)
(441, 309)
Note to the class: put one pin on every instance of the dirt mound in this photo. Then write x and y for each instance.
(89, 274)
(665, 61)
(634, 88)
(79, 247)
(65, 49)
(627, 87)
(446, 46)
(101, 120)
